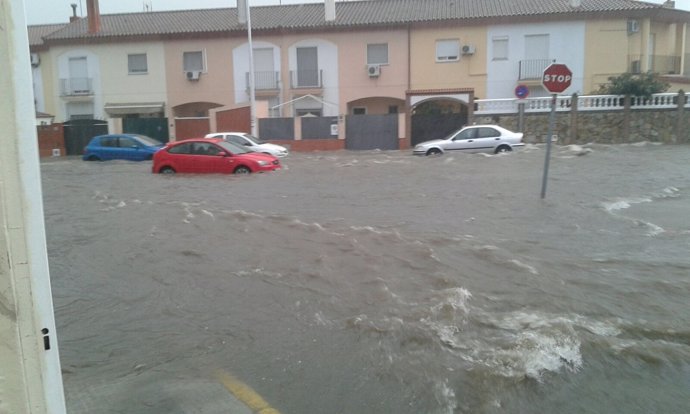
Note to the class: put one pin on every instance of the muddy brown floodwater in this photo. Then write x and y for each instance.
(377, 282)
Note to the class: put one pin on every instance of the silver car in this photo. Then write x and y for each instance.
(476, 138)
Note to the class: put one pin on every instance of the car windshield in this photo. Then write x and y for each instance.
(234, 148)
(147, 140)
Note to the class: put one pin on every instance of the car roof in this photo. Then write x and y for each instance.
(228, 132)
(197, 140)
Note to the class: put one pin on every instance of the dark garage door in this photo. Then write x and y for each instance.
(367, 132)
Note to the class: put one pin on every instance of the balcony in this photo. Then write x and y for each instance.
(76, 87)
(265, 82)
(533, 69)
(661, 64)
(306, 79)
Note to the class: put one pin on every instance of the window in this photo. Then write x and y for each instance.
(307, 67)
(181, 149)
(193, 61)
(447, 50)
(109, 142)
(393, 109)
(469, 133)
(377, 54)
(487, 133)
(500, 48)
(237, 140)
(127, 143)
(136, 63)
(359, 111)
(205, 148)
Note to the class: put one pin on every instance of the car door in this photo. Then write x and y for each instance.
(207, 157)
(128, 149)
(463, 141)
(106, 147)
(487, 139)
(180, 157)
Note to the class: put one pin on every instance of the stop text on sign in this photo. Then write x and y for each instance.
(557, 78)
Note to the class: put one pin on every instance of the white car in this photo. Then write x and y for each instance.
(250, 142)
(476, 138)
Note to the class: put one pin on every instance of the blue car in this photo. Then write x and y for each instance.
(133, 147)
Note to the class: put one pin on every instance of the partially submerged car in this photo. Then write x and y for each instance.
(211, 155)
(476, 138)
(133, 147)
(251, 142)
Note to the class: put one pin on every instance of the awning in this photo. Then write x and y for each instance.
(115, 109)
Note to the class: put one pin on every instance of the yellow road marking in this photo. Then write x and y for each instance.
(245, 394)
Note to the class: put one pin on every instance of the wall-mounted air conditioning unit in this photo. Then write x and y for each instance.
(35, 59)
(373, 71)
(633, 26)
(193, 75)
(468, 49)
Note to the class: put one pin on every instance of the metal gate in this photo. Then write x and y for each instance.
(78, 133)
(156, 128)
(435, 126)
(367, 132)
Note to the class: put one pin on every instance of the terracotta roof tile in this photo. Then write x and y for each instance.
(348, 14)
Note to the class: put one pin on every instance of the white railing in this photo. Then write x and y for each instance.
(584, 103)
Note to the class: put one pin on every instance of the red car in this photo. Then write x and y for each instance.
(204, 155)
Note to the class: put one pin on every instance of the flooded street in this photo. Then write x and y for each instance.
(377, 282)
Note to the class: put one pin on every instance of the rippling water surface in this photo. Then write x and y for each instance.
(378, 282)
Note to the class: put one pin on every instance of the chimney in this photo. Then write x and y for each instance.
(94, 16)
(74, 13)
(668, 4)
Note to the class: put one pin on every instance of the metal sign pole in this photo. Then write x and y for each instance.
(552, 121)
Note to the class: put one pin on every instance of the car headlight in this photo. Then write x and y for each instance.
(264, 163)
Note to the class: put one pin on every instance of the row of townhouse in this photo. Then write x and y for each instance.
(376, 57)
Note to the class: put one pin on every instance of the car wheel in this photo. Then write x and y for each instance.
(167, 170)
(93, 158)
(503, 148)
(434, 151)
(242, 170)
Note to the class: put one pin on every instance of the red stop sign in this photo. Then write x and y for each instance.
(556, 78)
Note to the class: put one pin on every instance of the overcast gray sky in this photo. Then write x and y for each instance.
(58, 11)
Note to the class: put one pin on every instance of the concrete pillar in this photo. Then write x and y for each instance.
(682, 134)
(572, 137)
(30, 377)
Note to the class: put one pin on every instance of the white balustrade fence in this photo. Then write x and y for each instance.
(584, 103)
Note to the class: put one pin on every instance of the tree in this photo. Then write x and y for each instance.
(644, 84)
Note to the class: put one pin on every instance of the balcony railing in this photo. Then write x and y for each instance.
(661, 64)
(265, 80)
(533, 69)
(76, 87)
(306, 78)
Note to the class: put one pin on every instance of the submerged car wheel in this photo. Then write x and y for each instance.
(167, 170)
(242, 170)
(93, 158)
(434, 151)
(503, 148)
